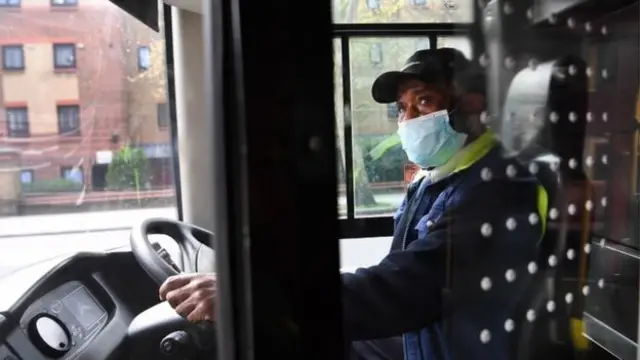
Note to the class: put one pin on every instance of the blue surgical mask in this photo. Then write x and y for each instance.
(430, 140)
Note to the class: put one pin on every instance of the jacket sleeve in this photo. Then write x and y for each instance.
(403, 292)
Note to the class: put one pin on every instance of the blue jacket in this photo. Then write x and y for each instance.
(464, 239)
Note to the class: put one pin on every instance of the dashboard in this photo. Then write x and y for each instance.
(80, 308)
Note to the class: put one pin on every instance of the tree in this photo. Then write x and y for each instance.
(127, 170)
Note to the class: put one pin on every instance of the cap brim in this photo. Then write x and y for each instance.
(385, 88)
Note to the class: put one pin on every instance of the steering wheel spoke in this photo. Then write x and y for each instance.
(189, 238)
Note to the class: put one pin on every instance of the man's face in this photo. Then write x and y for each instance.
(417, 98)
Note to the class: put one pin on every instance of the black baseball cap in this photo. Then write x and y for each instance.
(434, 66)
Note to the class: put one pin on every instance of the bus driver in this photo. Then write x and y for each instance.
(471, 215)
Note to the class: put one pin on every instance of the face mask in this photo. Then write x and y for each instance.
(430, 140)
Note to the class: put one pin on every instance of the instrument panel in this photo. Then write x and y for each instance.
(64, 321)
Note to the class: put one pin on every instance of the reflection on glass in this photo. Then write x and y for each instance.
(339, 113)
(406, 11)
(81, 128)
(461, 43)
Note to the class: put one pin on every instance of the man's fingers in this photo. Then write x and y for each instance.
(174, 283)
(186, 308)
(177, 297)
(203, 311)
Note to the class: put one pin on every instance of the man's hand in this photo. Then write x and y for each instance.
(191, 295)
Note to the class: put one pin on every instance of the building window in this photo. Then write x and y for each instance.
(64, 56)
(72, 173)
(13, 57)
(26, 176)
(144, 58)
(10, 3)
(375, 54)
(69, 120)
(163, 116)
(373, 4)
(64, 2)
(18, 122)
(418, 2)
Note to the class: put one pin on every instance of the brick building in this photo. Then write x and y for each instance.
(72, 85)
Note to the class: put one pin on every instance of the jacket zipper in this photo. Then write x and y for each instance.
(432, 336)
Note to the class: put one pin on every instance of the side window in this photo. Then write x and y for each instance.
(72, 173)
(10, 3)
(26, 176)
(163, 116)
(69, 120)
(64, 56)
(17, 122)
(13, 57)
(144, 58)
(64, 2)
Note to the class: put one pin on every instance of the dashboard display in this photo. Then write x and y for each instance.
(83, 307)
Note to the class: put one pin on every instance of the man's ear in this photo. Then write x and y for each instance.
(471, 103)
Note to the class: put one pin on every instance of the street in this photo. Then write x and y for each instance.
(28, 239)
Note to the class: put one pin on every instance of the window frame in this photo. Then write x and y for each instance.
(6, 48)
(74, 132)
(11, 134)
(382, 225)
(57, 46)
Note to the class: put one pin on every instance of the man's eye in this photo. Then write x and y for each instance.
(425, 102)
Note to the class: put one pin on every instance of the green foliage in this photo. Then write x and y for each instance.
(384, 160)
(127, 170)
(51, 186)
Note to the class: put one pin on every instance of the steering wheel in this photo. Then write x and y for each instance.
(195, 255)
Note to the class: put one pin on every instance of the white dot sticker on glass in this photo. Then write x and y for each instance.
(486, 229)
(485, 283)
(509, 325)
(553, 260)
(587, 248)
(585, 290)
(511, 171)
(589, 161)
(573, 163)
(485, 336)
(588, 205)
(571, 254)
(571, 209)
(531, 315)
(485, 174)
(587, 27)
(533, 168)
(510, 275)
(553, 213)
(532, 267)
(551, 306)
(601, 283)
(568, 298)
(511, 224)
(533, 218)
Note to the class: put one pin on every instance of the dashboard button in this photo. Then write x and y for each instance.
(49, 335)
